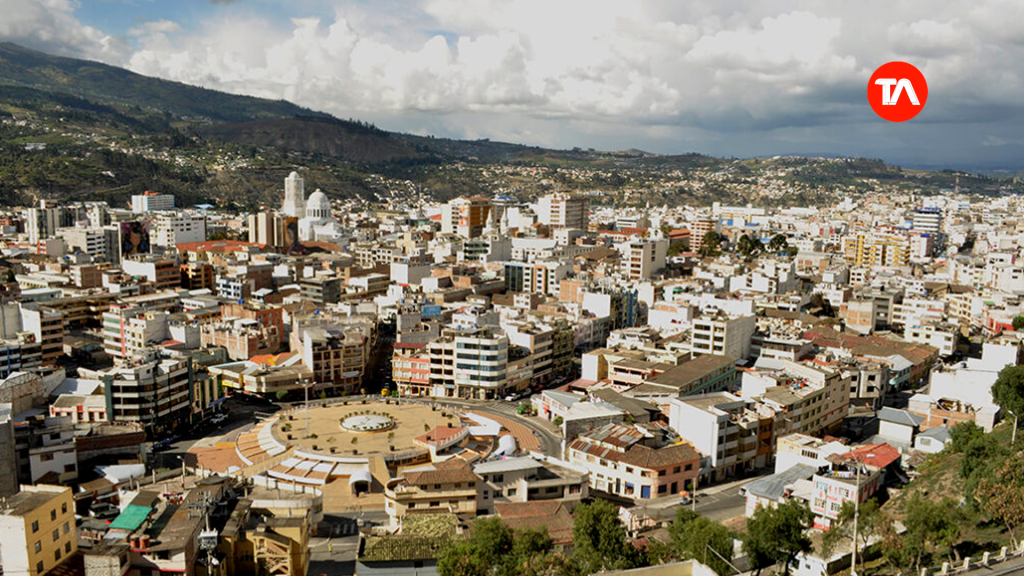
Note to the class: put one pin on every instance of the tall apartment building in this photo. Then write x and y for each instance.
(162, 272)
(927, 219)
(197, 276)
(698, 230)
(878, 249)
(129, 329)
(152, 202)
(466, 216)
(147, 389)
(733, 437)
(335, 353)
(172, 228)
(814, 398)
(641, 259)
(268, 229)
(91, 241)
(45, 449)
(47, 325)
(541, 277)
(37, 528)
(561, 210)
(470, 364)
(322, 290)
(43, 221)
(716, 332)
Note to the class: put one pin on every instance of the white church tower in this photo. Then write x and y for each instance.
(294, 196)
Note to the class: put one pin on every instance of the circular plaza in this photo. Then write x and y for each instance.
(359, 430)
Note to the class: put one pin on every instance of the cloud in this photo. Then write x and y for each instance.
(51, 25)
(750, 77)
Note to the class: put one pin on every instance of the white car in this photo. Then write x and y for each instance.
(219, 418)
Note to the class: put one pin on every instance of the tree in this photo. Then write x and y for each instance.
(492, 548)
(777, 534)
(694, 536)
(710, 244)
(281, 394)
(869, 525)
(1018, 322)
(1002, 494)
(747, 246)
(557, 421)
(599, 539)
(963, 434)
(931, 527)
(1008, 390)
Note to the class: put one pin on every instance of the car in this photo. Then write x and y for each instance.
(218, 418)
(104, 510)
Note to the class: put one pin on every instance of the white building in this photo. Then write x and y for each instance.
(723, 334)
(149, 202)
(181, 228)
(294, 196)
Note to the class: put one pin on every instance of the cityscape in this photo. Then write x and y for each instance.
(249, 333)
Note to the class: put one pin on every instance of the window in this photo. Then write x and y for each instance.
(499, 477)
(69, 467)
(45, 457)
(689, 467)
(53, 514)
(662, 472)
(56, 535)
(39, 566)
(64, 508)
(67, 547)
(38, 547)
(35, 526)
(676, 470)
(56, 554)
(412, 505)
(435, 504)
(510, 492)
(66, 528)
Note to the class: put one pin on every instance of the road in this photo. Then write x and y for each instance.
(240, 411)
(550, 441)
(333, 551)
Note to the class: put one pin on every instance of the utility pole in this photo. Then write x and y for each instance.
(305, 386)
(856, 514)
(1013, 438)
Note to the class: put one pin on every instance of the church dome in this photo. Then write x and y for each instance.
(318, 205)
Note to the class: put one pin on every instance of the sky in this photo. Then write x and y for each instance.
(722, 77)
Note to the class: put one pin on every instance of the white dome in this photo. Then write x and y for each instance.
(293, 175)
(318, 201)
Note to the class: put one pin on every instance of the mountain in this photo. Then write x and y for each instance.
(110, 85)
(352, 141)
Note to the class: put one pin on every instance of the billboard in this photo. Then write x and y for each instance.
(134, 237)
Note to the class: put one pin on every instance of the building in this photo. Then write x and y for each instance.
(470, 364)
(814, 398)
(796, 449)
(37, 528)
(733, 438)
(91, 241)
(335, 353)
(529, 479)
(47, 325)
(724, 334)
(45, 450)
(8, 474)
(152, 391)
(624, 461)
(450, 486)
(129, 329)
(267, 229)
(942, 335)
(466, 216)
(641, 259)
(294, 197)
(540, 277)
(162, 272)
(171, 229)
(844, 481)
(322, 290)
(197, 276)
(152, 202)
(927, 219)
(560, 210)
(705, 373)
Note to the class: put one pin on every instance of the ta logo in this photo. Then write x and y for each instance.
(897, 91)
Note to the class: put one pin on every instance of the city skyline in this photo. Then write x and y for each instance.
(740, 79)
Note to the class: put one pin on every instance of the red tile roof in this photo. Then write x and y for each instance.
(878, 455)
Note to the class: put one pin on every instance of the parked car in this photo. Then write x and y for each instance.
(104, 510)
(218, 418)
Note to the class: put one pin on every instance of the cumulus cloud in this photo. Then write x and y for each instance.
(51, 25)
(604, 73)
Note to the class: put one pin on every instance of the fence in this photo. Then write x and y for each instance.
(987, 559)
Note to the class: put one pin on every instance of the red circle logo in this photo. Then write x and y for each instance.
(897, 91)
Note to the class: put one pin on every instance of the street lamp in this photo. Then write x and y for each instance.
(306, 383)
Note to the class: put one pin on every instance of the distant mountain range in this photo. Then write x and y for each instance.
(111, 133)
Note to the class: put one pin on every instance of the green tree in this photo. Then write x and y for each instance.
(777, 534)
(1002, 494)
(931, 527)
(747, 246)
(599, 539)
(281, 394)
(963, 434)
(694, 536)
(869, 525)
(710, 244)
(1008, 390)
(557, 421)
(1018, 322)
